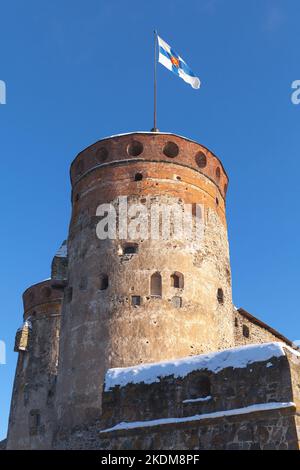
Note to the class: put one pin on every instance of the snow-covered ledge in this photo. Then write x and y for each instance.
(187, 419)
(237, 358)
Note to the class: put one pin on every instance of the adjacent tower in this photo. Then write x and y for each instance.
(133, 301)
(32, 413)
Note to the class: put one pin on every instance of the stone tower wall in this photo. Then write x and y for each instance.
(31, 419)
(101, 326)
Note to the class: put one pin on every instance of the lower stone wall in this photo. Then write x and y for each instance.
(265, 430)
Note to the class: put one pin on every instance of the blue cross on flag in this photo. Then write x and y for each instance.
(172, 61)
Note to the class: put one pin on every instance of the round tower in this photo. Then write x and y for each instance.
(32, 405)
(135, 301)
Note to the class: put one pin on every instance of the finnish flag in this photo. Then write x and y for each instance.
(172, 61)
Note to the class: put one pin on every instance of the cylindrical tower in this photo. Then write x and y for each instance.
(32, 414)
(133, 301)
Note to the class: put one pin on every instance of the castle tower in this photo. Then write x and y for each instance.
(137, 301)
(32, 413)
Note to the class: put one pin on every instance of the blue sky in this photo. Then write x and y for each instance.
(77, 71)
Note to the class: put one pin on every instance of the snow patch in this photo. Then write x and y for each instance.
(196, 400)
(217, 414)
(233, 357)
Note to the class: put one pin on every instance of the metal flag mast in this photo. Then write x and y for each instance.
(155, 82)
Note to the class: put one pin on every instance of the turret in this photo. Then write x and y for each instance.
(32, 413)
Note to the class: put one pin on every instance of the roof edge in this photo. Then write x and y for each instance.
(267, 327)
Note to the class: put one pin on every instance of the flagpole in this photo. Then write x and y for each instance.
(155, 82)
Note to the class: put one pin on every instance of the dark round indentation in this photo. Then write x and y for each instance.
(218, 173)
(46, 292)
(138, 177)
(201, 160)
(225, 188)
(135, 148)
(171, 149)
(101, 154)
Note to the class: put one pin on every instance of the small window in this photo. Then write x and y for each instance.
(236, 322)
(130, 249)
(246, 331)
(34, 422)
(177, 280)
(103, 281)
(220, 296)
(156, 285)
(135, 300)
(138, 177)
(218, 173)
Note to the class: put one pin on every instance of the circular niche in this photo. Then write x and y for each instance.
(171, 149)
(201, 159)
(135, 148)
(46, 292)
(101, 154)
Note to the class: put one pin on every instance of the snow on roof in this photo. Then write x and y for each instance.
(63, 251)
(27, 324)
(234, 357)
(216, 414)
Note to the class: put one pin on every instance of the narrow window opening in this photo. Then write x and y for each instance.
(156, 285)
(177, 280)
(246, 331)
(220, 296)
(34, 422)
(103, 281)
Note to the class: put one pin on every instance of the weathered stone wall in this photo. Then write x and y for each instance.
(250, 407)
(32, 411)
(110, 330)
(230, 388)
(268, 430)
(247, 331)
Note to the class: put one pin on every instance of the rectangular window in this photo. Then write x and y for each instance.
(136, 300)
